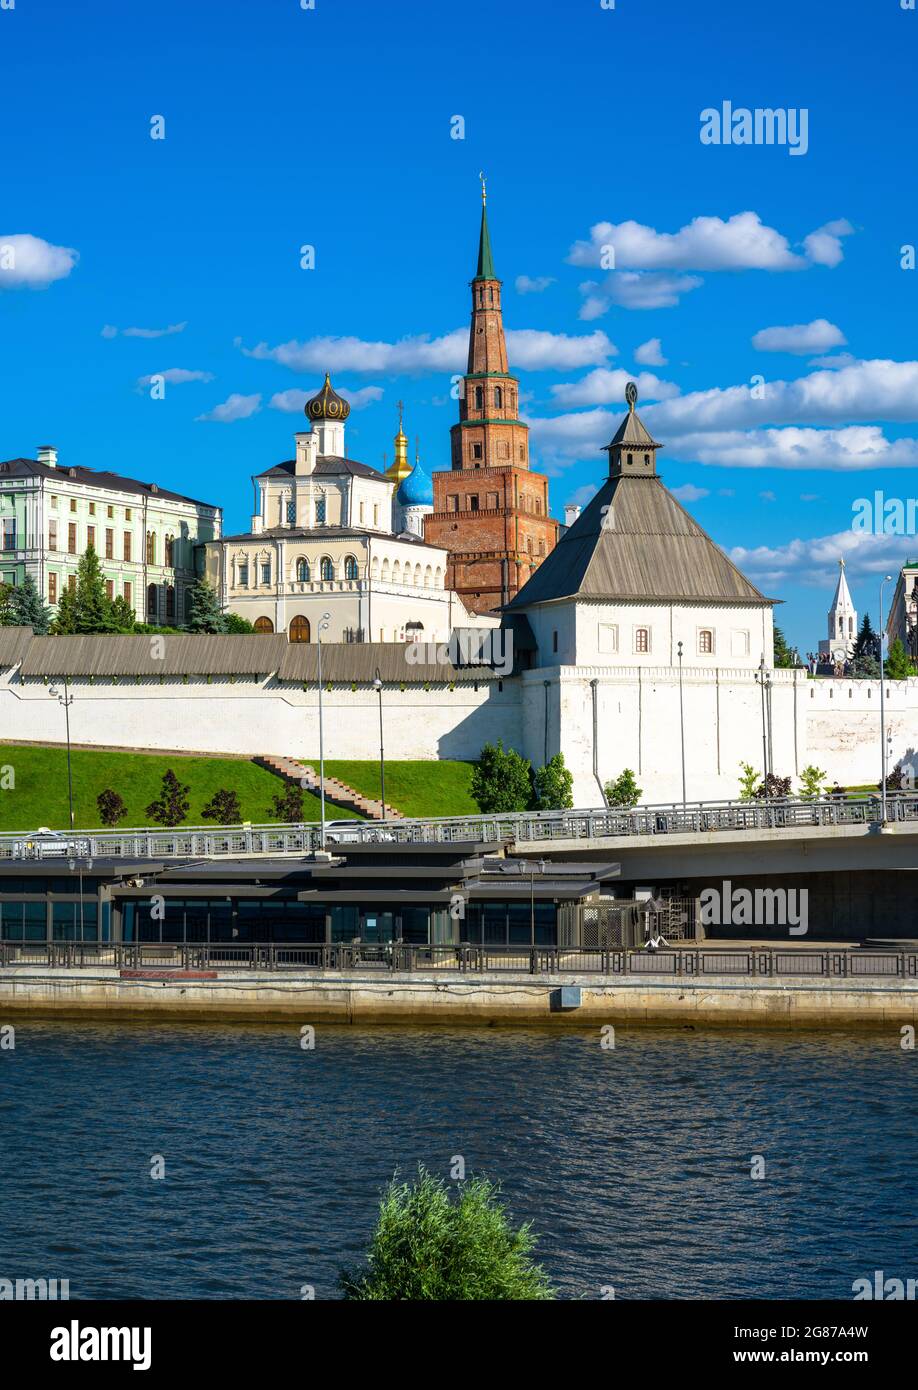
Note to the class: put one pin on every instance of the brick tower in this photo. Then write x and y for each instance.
(490, 511)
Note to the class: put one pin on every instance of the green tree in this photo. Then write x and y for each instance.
(111, 807)
(812, 783)
(502, 780)
(93, 608)
(223, 807)
(27, 608)
(897, 666)
(288, 805)
(624, 793)
(865, 658)
(6, 612)
(204, 608)
(121, 615)
(171, 806)
(749, 782)
(429, 1245)
(236, 624)
(553, 785)
(783, 654)
(65, 619)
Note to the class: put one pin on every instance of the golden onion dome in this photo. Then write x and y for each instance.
(327, 404)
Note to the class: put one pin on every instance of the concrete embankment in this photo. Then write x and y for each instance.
(435, 998)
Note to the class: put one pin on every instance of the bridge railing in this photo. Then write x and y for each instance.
(669, 818)
(700, 962)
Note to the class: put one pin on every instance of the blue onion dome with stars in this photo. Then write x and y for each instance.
(416, 490)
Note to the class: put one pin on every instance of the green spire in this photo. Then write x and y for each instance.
(485, 260)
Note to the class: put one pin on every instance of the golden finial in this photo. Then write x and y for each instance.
(484, 188)
(401, 407)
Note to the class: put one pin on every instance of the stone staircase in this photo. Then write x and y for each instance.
(339, 793)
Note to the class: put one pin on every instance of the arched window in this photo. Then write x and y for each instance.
(320, 510)
(302, 571)
(299, 629)
(479, 397)
(498, 397)
(151, 548)
(397, 572)
(326, 569)
(170, 551)
(170, 602)
(438, 578)
(263, 625)
(417, 575)
(374, 568)
(151, 599)
(350, 567)
(385, 570)
(428, 577)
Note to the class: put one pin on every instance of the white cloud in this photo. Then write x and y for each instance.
(768, 496)
(605, 386)
(743, 242)
(852, 448)
(294, 400)
(175, 376)
(803, 338)
(635, 289)
(530, 350)
(650, 354)
(28, 261)
(235, 407)
(834, 360)
(688, 492)
(527, 284)
(814, 562)
(110, 331)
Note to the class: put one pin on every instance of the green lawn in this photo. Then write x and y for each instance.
(39, 794)
(439, 788)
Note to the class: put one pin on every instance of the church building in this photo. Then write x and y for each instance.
(490, 510)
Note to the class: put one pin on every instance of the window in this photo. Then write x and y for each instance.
(263, 625)
(361, 513)
(492, 502)
(554, 640)
(299, 629)
(476, 451)
(127, 545)
(170, 551)
(498, 397)
(128, 592)
(9, 533)
(608, 639)
(73, 504)
(53, 503)
(320, 511)
(503, 449)
(52, 535)
(326, 570)
(151, 599)
(739, 642)
(291, 513)
(522, 452)
(170, 602)
(452, 502)
(642, 639)
(109, 543)
(109, 512)
(151, 548)
(52, 588)
(375, 513)
(71, 538)
(109, 589)
(71, 582)
(92, 509)
(243, 579)
(350, 568)
(266, 571)
(90, 537)
(706, 641)
(128, 514)
(302, 571)
(473, 503)
(479, 398)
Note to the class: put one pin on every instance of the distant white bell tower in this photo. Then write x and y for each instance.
(842, 624)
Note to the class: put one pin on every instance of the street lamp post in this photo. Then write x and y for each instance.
(66, 700)
(886, 578)
(911, 619)
(378, 686)
(323, 627)
(771, 742)
(681, 721)
(760, 680)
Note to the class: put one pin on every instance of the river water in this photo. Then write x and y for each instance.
(633, 1163)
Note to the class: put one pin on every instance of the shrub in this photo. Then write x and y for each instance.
(223, 807)
(624, 793)
(502, 780)
(773, 787)
(554, 786)
(429, 1246)
(812, 783)
(171, 806)
(111, 807)
(749, 782)
(288, 804)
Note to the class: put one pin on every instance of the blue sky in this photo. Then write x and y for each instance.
(331, 127)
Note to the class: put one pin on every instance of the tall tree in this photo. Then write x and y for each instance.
(93, 606)
(783, 654)
(554, 786)
(65, 618)
(171, 806)
(6, 612)
(897, 666)
(502, 780)
(28, 609)
(204, 613)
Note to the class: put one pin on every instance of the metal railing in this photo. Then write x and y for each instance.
(702, 962)
(538, 826)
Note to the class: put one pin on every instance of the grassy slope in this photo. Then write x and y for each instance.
(40, 793)
(414, 788)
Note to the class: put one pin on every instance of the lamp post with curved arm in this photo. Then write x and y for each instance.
(66, 700)
(323, 627)
(378, 687)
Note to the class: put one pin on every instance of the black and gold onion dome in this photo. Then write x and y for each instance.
(327, 404)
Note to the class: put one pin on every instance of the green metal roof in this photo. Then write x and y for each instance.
(485, 259)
